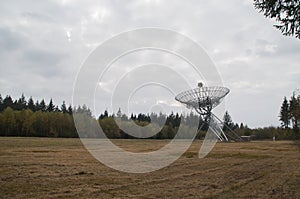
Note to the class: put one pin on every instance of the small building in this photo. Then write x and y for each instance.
(246, 138)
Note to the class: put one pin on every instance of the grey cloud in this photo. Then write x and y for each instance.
(43, 56)
(38, 17)
(9, 40)
(39, 59)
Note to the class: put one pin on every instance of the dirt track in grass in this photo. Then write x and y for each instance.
(63, 168)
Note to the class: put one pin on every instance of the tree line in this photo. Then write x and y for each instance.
(26, 117)
(23, 117)
(289, 115)
(22, 104)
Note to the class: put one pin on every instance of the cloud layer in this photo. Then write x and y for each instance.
(44, 43)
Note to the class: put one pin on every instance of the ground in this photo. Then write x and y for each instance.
(63, 168)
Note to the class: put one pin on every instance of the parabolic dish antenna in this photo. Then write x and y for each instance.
(203, 99)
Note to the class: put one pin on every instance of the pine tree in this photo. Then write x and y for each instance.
(286, 12)
(227, 122)
(56, 109)
(241, 125)
(21, 104)
(294, 109)
(105, 113)
(70, 110)
(42, 105)
(119, 113)
(31, 105)
(37, 105)
(50, 106)
(63, 107)
(284, 114)
(8, 102)
(177, 120)
(133, 117)
(1, 104)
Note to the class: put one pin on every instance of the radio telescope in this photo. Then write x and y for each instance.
(203, 99)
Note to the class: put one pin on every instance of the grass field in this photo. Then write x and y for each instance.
(63, 168)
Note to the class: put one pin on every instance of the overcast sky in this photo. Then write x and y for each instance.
(44, 43)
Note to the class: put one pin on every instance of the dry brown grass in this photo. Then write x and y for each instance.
(62, 168)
